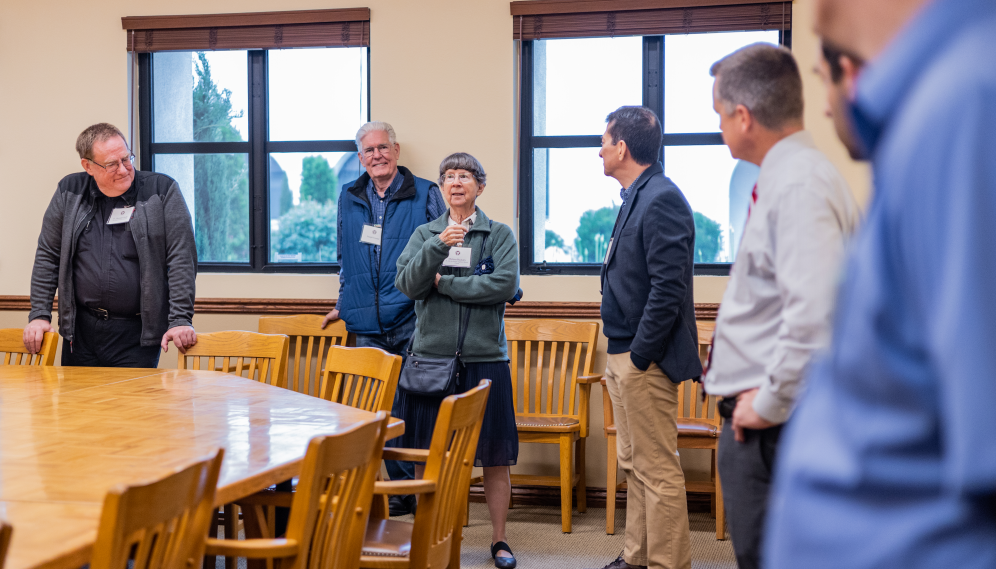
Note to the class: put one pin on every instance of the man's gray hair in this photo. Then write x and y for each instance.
(765, 79)
(463, 161)
(373, 126)
(96, 133)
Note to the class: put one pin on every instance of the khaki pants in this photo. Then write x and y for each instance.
(645, 404)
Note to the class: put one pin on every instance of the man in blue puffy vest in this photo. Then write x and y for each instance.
(378, 213)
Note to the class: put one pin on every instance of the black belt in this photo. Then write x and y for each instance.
(725, 407)
(108, 315)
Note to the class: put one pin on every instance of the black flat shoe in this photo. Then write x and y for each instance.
(502, 562)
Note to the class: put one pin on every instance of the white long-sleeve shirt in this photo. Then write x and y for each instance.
(778, 304)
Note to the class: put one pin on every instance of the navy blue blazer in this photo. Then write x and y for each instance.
(647, 303)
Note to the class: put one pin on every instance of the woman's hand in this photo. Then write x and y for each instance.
(453, 234)
(436, 283)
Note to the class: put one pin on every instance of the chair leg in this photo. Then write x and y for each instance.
(611, 482)
(566, 482)
(582, 487)
(231, 532)
(210, 560)
(720, 510)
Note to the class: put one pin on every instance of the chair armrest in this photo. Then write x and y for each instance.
(268, 498)
(589, 379)
(409, 454)
(404, 487)
(252, 548)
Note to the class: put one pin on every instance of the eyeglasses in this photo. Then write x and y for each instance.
(383, 149)
(464, 178)
(112, 167)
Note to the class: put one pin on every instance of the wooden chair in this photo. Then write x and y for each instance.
(266, 355)
(433, 541)
(698, 427)
(329, 511)
(309, 344)
(365, 378)
(5, 532)
(552, 405)
(162, 525)
(14, 353)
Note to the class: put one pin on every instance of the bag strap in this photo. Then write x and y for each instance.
(465, 325)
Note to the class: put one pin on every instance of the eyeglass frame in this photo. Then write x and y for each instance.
(116, 164)
(383, 149)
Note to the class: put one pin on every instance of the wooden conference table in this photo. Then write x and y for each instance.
(67, 435)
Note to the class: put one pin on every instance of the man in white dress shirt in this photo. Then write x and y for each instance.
(777, 307)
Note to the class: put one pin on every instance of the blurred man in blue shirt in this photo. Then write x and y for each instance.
(889, 460)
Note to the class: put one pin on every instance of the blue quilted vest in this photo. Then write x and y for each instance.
(369, 305)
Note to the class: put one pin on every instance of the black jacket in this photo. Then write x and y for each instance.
(647, 304)
(164, 238)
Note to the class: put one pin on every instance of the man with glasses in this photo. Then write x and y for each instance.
(118, 245)
(378, 213)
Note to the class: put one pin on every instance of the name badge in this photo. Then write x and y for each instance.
(607, 250)
(371, 234)
(120, 215)
(459, 257)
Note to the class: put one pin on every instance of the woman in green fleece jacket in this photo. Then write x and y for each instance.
(442, 294)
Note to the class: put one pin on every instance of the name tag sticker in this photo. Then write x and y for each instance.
(459, 257)
(608, 250)
(371, 234)
(120, 215)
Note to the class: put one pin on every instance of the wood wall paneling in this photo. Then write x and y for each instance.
(272, 306)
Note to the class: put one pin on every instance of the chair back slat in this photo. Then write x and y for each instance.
(310, 347)
(334, 493)
(15, 353)
(365, 378)
(262, 357)
(450, 461)
(162, 525)
(563, 351)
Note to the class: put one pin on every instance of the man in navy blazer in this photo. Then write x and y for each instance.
(649, 318)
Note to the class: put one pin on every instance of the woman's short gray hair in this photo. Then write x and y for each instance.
(463, 161)
(765, 79)
(371, 127)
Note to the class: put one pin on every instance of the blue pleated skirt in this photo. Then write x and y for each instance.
(499, 442)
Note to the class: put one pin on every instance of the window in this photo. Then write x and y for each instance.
(259, 140)
(569, 84)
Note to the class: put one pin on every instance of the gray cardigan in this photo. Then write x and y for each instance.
(164, 238)
(439, 310)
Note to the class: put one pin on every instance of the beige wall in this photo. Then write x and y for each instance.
(442, 71)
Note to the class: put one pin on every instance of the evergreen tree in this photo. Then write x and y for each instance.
(594, 232)
(318, 180)
(708, 239)
(221, 181)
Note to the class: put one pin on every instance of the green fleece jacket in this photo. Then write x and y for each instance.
(439, 309)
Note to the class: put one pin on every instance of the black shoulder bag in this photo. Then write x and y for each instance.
(438, 377)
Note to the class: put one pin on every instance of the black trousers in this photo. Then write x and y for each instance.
(115, 342)
(745, 470)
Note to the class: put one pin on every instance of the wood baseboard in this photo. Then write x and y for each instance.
(596, 497)
(284, 306)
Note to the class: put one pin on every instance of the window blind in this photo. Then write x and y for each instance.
(545, 19)
(262, 30)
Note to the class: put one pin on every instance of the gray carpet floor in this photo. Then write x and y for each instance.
(535, 537)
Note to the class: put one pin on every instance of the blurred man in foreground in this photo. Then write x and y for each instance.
(889, 460)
